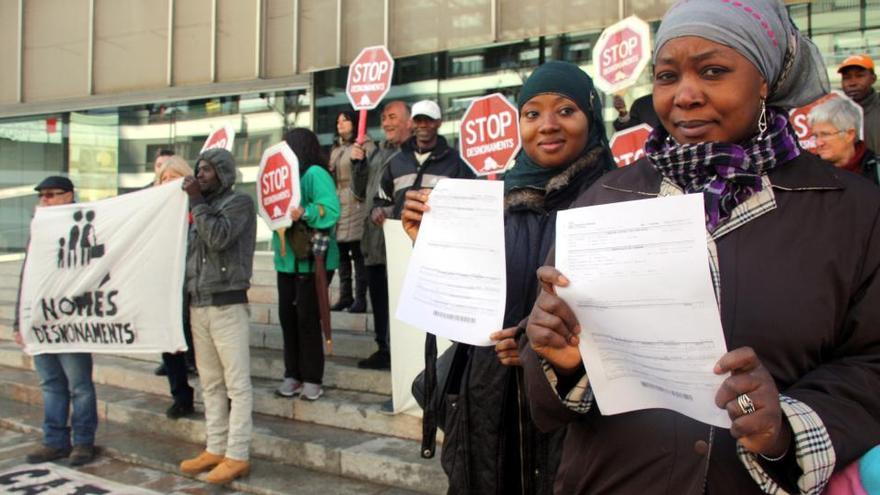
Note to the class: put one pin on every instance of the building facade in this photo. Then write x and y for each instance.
(92, 88)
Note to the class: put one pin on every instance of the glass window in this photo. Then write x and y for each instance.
(30, 149)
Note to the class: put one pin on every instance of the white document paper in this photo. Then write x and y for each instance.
(642, 292)
(456, 282)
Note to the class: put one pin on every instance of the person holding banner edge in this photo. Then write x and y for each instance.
(219, 262)
(65, 378)
(799, 307)
(491, 443)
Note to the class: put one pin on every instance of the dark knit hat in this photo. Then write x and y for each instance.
(563, 78)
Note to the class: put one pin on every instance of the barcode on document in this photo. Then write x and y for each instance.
(449, 316)
(680, 395)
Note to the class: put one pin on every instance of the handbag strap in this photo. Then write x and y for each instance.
(429, 417)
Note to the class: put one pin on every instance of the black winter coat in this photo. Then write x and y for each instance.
(491, 444)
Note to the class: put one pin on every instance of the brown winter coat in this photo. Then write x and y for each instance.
(799, 285)
(352, 210)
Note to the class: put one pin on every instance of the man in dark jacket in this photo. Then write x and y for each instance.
(858, 78)
(424, 159)
(219, 262)
(397, 126)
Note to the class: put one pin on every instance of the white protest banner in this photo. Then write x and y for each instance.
(107, 276)
(222, 137)
(278, 186)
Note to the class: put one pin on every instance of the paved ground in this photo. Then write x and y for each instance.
(105, 475)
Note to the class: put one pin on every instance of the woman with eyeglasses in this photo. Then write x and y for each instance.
(836, 124)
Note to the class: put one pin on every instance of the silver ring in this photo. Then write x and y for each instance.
(745, 404)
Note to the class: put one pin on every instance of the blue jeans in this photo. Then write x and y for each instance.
(66, 378)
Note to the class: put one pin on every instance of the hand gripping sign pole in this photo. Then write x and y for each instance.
(369, 79)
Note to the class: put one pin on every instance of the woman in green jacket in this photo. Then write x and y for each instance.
(297, 296)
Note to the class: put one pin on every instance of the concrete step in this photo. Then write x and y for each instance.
(346, 343)
(340, 408)
(260, 313)
(361, 456)
(267, 314)
(339, 372)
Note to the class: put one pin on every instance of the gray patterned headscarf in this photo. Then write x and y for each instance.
(762, 32)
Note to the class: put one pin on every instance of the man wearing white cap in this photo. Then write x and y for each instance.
(424, 159)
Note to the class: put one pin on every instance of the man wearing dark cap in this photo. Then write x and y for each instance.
(857, 79)
(65, 378)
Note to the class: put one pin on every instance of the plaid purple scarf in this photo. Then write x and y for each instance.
(727, 174)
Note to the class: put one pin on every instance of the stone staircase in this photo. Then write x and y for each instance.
(341, 440)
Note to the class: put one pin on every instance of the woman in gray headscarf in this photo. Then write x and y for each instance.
(794, 251)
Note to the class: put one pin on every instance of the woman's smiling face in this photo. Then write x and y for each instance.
(554, 130)
(705, 91)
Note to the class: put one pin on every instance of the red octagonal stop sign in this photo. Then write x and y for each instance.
(278, 185)
(621, 54)
(628, 145)
(489, 132)
(220, 138)
(369, 77)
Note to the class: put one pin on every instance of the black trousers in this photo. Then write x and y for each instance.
(175, 364)
(377, 282)
(350, 252)
(301, 326)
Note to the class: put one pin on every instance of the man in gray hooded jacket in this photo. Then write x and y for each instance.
(219, 262)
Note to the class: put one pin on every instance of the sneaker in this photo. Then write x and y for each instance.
(83, 454)
(227, 471)
(161, 370)
(201, 463)
(180, 410)
(379, 360)
(290, 387)
(44, 453)
(312, 391)
(358, 306)
(387, 408)
(341, 305)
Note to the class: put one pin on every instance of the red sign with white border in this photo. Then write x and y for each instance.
(278, 186)
(220, 138)
(489, 133)
(621, 54)
(628, 145)
(369, 77)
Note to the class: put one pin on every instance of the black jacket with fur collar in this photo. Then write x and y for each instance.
(491, 444)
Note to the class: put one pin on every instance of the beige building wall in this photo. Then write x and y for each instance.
(72, 54)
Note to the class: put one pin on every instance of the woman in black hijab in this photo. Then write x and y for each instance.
(491, 444)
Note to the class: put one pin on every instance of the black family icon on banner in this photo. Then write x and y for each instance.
(81, 245)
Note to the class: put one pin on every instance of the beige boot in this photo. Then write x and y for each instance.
(227, 471)
(200, 463)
